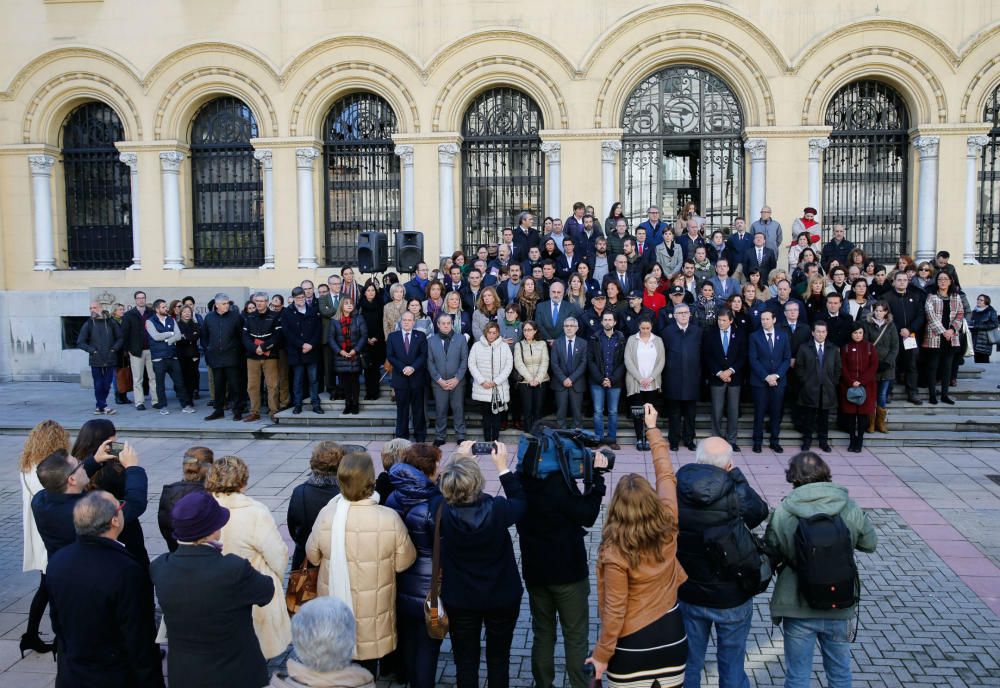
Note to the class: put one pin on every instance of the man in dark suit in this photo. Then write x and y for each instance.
(838, 323)
(568, 363)
(818, 366)
(207, 600)
(739, 243)
(798, 334)
(447, 363)
(573, 227)
(406, 350)
(760, 257)
(302, 330)
(567, 262)
(776, 304)
(550, 315)
(101, 601)
(626, 278)
(770, 357)
(470, 292)
(525, 236)
(682, 376)
(724, 360)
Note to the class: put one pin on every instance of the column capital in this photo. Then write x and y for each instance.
(265, 156)
(304, 157)
(405, 153)
(976, 144)
(41, 165)
(170, 161)
(757, 148)
(447, 153)
(609, 148)
(131, 159)
(552, 150)
(927, 146)
(816, 146)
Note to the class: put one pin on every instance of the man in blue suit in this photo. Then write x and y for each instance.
(739, 243)
(406, 350)
(770, 357)
(654, 227)
(568, 363)
(550, 315)
(724, 357)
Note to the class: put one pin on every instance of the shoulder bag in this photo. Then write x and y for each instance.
(301, 587)
(435, 617)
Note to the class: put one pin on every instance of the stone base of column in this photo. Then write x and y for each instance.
(308, 264)
(969, 259)
(267, 266)
(45, 267)
(135, 266)
(923, 255)
(174, 265)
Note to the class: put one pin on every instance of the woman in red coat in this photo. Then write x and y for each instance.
(859, 366)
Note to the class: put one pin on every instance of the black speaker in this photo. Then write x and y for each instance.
(373, 252)
(409, 250)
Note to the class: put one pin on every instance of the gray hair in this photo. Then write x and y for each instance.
(714, 451)
(393, 450)
(92, 515)
(572, 320)
(396, 287)
(461, 481)
(222, 297)
(260, 295)
(522, 217)
(323, 634)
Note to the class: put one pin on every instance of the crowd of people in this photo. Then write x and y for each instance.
(670, 312)
(676, 558)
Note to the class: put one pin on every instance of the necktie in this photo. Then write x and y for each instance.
(406, 342)
(555, 313)
(569, 351)
(624, 281)
(640, 249)
(820, 355)
(760, 256)
(725, 342)
(770, 342)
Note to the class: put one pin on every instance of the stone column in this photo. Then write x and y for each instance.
(553, 192)
(173, 250)
(405, 153)
(975, 148)
(132, 160)
(816, 148)
(757, 148)
(446, 195)
(304, 159)
(608, 151)
(265, 157)
(927, 147)
(41, 188)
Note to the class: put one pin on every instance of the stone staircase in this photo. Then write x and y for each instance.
(973, 421)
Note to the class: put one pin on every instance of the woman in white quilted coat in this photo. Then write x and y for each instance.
(490, 365)
(251, 533)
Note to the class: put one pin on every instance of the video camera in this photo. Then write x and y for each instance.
(549, 450)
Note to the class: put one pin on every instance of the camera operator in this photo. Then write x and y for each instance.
(554, 563)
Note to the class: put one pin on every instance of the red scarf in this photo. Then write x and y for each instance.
(345, 328)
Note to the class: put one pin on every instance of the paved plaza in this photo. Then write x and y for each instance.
(930, 613)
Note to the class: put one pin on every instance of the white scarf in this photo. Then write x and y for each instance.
(340, 577)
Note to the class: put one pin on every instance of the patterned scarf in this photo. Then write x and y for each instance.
(345, 328)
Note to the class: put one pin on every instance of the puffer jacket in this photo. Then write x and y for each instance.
(378, 547)
(358, 340)
(251, 533)
(490, 362)
(532, 361)
(416, 499)
(102, 339)
(802, 502)
(707, 497)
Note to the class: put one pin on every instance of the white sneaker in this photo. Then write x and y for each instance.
(164, 411)
(187, 409)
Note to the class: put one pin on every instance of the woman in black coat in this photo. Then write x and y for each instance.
(188, 353)
(348, 338)
(309, 498)
(982, 320)
(197, 461)
(371, 305)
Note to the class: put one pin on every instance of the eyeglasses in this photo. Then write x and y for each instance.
(72, 471)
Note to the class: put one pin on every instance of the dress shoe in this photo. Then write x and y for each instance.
(825, 446)
(140, 407)
(932, 401)
(273, 417)
(440, 443)
(318, 409)
(915, 400)
(614, 446)
(947, 400)
(297, 409)
(251, 418)
(674, 447)
(215, 415)
(757, 449)
(237, 416)
(776, 448)
(735, 447)
(805, 446)
(691, 446)
(35, 644)
(954, 382)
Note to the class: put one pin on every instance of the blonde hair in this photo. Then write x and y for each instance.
(461, 481)
(394, 450)
(44, 439)
(637, 524)
(356, 476)
(227, 475)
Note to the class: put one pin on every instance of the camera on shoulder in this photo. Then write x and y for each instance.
(550, 450)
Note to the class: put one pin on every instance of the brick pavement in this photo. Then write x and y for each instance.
(928, 591)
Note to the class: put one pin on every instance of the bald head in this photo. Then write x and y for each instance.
(96, 515)
(715, 451)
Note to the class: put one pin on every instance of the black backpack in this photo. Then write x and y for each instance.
(824, 562)
(735, 553)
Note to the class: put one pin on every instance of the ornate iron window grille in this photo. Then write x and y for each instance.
(988, 217)
(98, 190)
(865, 169)
(503, 171)
(227, 187)
(360, 174)
(683, 143)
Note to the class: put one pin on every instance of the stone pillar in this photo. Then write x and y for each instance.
(173, 250)
(304, 159)
(975, 145)
(553, 192)
(816, 148)
(405, 153)
(41, 188)
(132, 160)
(608, 151)
(265, 157)
(757, 148)
(446, 195)
(927, 147)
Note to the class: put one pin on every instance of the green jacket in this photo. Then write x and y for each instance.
(808, 500)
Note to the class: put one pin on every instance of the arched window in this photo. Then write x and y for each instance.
(98, 190)
(360, 175)
(502, 166)
(865, 168)
(227, 189)
(988, 219)
(683, 144)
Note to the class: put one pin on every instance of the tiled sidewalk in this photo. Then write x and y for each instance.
(931, 609)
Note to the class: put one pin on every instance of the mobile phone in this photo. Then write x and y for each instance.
(115, 448)
(590, 675)
(483, 448)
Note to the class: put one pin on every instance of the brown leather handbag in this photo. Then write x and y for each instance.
(301, 587)
(435, 616)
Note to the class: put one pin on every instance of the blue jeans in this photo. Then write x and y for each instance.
(834, 642)
(883, 393)
(601, 394)
(103, 379)
(732, 626)
(298, 393)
